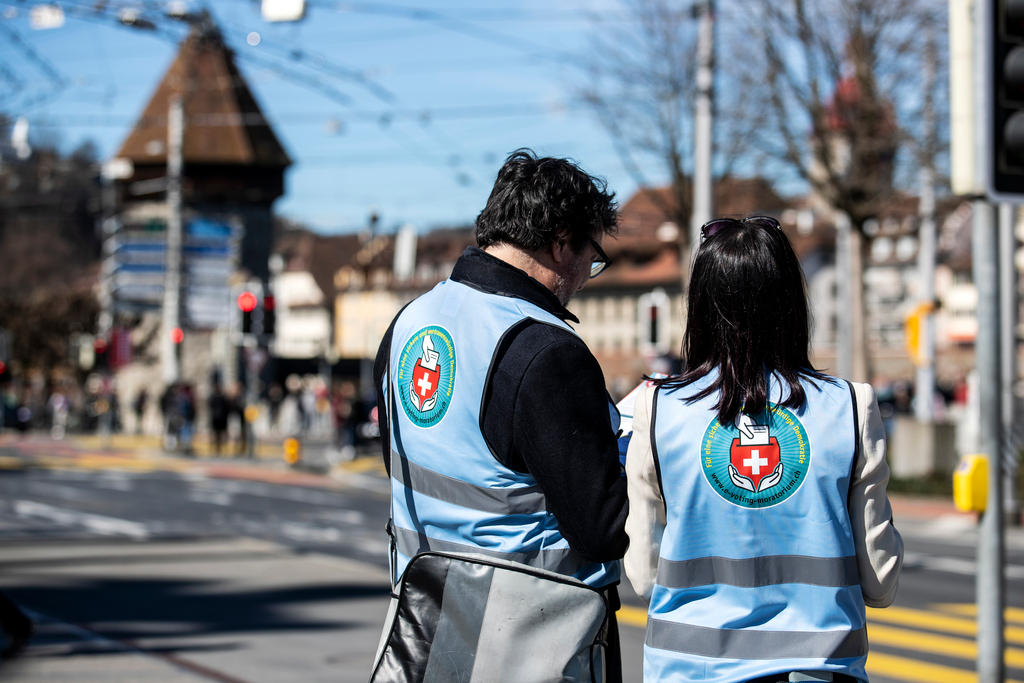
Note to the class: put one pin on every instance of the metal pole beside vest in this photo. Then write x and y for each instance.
(1008, 357)
(991, 587)
(924, 406)
(703, 123)
(171, 311)
(990, 584)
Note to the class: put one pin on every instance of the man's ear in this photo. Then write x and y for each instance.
(561, 249)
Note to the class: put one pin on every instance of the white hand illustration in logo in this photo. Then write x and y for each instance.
(772, 479)
(739, 480)
(430, 356)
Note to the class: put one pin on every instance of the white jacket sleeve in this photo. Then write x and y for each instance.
(645, 522)
(879, 545)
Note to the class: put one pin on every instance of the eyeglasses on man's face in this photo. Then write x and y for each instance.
(600, 261)
(715, 226)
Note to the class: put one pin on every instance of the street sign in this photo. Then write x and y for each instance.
(136, 267)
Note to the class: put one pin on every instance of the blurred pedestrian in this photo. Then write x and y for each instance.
(187, 409)
(507, 447)
(60, 407)
(759, 524)
(236, 409)
(343, 419)
(218, 407)
(139, 408)
(174, 421)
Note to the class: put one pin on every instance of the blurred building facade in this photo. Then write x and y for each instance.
(632, 316)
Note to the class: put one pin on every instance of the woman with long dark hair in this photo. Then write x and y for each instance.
(759, 524)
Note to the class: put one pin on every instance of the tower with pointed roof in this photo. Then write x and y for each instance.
(234, 164)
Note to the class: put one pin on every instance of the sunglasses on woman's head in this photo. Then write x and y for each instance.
(715, 226)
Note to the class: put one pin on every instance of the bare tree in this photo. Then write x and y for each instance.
(830, 75)
(639, 81)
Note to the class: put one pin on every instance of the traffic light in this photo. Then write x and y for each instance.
(269, 314)
(653, 322)
(652, 325)
(1005, 118)
(247, 304)
(99, 349)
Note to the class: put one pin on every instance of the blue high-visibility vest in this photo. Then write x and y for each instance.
(448, 491)
(757, 571)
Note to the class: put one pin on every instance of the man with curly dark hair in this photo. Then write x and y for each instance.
(503, 436)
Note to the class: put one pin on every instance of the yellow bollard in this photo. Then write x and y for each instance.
(970, 483)
(292, 450)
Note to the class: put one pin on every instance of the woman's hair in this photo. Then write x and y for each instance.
(747, 316)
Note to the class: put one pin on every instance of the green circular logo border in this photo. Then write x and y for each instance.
(411, 352)
(794, 453)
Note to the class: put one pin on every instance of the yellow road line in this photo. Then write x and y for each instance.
(887, 635)
(632, 616)
(904, 669)
(948, 646)
(363, 465)
(1013, 615)
(903, 616)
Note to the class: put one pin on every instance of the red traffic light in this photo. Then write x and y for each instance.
(177, 335)
(247, 301)
(268, 302)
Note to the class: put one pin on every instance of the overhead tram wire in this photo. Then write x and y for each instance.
(465, 112)
(56, 78)
(445, 21)
(384, 119)
(324, 89)
(157, 25)
(320, 63)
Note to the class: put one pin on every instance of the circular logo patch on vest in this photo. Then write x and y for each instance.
(426, 375)
(759, 461)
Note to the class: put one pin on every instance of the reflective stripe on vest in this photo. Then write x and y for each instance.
(559, 560)
(757, 571)
(449, 492)
(727, 643)
(511, 501)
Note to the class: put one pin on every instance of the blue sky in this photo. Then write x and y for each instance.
(469, 82)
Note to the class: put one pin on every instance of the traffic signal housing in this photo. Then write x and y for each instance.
(247, 304)
(269, 314)
(653, 322)
(1005, 115)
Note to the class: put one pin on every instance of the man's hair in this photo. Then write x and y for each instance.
(746, 314)
(535, 200)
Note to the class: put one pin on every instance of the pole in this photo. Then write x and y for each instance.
(924, 406)
(844, 298)
(105, 321)
(1008, 354)
(171, 312)
(990, 584)
(703, 123)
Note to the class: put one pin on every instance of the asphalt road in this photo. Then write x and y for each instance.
(143, 569)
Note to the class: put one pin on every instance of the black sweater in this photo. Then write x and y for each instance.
(545, 412)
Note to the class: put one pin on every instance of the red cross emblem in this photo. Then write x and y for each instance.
(755, 462)
(426, 377)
